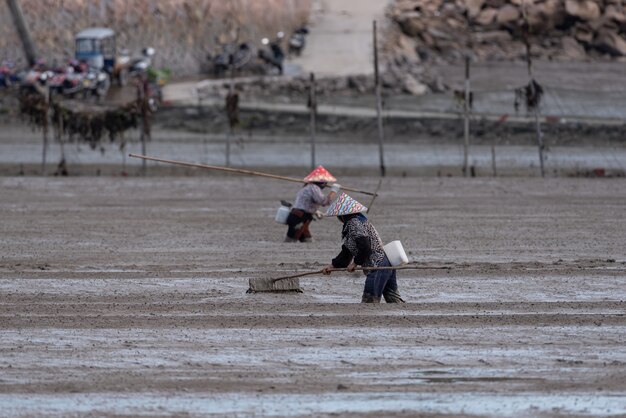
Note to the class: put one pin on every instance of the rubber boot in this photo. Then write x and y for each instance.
(392, 296)
(369, 298)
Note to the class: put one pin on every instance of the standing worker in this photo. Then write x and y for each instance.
(362, 246)
(308, 201)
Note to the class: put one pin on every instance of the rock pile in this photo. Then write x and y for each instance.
(442, 30)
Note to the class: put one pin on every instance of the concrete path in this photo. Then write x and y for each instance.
(340, 41)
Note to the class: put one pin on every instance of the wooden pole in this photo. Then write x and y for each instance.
(22, 31)
(404, 267)
(45, 148)
(60, 135)
(493, 160)
(144, 165)
(369, 207)
(313, 106)
(238, 171)
(379, 104)
(533, 91)
(466, 117)
(231, 91)
(46, 120)
(142, 128)
(539, 133)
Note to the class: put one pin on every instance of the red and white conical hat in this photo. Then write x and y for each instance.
(345, 205)
(320, 175)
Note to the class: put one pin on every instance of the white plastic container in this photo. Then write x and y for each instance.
(282, 214)
(395, 253)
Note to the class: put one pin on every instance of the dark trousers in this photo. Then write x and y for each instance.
(298, 222)
(381, 283)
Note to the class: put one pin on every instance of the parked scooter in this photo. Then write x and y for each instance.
(141, 64)
(96, 83)
(273, 54)
(8, 74)
(241, 56)
(297, 41)
(36, 78)
(68, 80)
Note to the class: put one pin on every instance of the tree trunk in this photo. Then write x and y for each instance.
(22, 31)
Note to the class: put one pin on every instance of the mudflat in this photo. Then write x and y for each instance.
(126, 296)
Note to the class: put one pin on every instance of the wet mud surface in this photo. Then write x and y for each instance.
(126, 296)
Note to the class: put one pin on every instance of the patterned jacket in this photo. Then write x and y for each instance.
(361, 242)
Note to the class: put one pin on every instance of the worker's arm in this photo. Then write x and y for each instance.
(318, 196)
(341, 261)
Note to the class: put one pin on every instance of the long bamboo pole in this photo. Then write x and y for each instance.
(238, 171)
(311, 273)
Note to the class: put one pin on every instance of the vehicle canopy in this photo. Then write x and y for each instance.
(96, 46)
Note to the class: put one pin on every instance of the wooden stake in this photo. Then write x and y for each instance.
(46, 120)
(379, 104)
(466, 117)
(60, 134)
(533, 91)
(231, 91)
(144, 165)
(45, 151)
(141, 102)
(369, 207)
(238, 171)
(313, 107)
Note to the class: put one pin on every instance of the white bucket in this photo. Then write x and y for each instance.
(395, 253)
(282, 214)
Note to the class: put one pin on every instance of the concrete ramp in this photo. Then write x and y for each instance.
(340, 41)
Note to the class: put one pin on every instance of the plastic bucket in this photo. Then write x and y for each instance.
(395, 253)
(282, 214)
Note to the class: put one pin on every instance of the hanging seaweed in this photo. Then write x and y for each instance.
(531, 95)
(79, 121)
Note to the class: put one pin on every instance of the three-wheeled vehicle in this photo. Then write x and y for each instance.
(96, 46)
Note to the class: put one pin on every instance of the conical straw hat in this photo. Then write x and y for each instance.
(320, 175)
(345, 205)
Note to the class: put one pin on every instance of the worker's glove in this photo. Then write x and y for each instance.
(336, 187)
(318, 215)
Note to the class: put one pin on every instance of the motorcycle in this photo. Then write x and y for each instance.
(141, 64)
(297, 41)
(36, 78)
(273, 54)
(8, 74)
(241, 58)
(96, 83)
(67, 81)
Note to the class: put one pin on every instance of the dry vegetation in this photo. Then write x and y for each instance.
(183, 31)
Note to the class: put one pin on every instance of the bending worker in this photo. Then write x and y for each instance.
(362, 246)
(308, 201)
